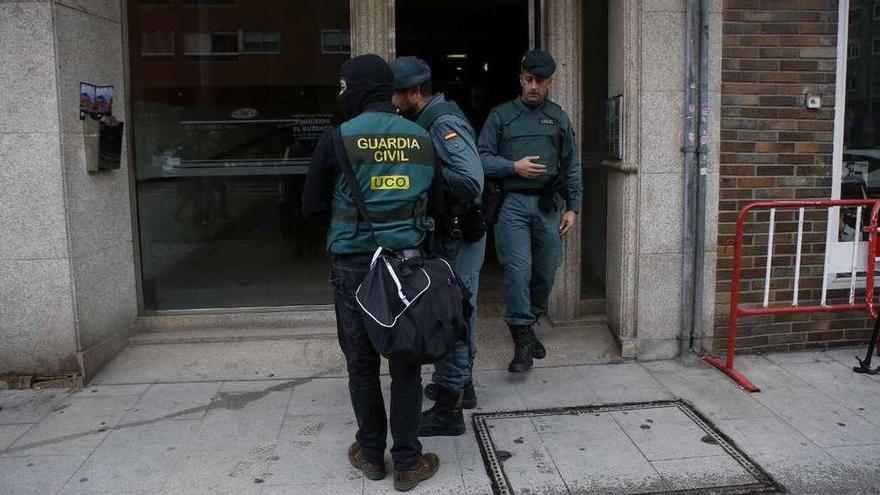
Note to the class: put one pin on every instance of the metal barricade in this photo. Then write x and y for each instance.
(736, 311)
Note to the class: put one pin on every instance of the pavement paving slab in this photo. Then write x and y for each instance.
(702, 472)
(38, 474)
(137, 459)
(220, 471)
(75, 426)
(28, 406)
(10, 433)
(623, 382)
(173, 401)
(665, 433)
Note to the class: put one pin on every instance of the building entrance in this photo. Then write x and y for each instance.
(474, 50)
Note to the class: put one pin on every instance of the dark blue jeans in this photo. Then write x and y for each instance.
(363, 361)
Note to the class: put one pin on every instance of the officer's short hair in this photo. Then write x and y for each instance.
(523, 71)
(426, 89)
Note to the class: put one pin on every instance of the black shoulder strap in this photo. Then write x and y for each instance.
(353, 186)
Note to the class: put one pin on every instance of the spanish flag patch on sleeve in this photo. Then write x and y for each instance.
(450, 135)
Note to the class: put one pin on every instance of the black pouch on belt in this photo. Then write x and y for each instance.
(547, 200)
(547, 197)
(473, 224)
(493, 196)
(467, 224)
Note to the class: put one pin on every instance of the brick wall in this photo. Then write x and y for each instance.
(775, 51)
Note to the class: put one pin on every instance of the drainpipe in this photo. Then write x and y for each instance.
(696, 158)
(703, 152)
(689, 149)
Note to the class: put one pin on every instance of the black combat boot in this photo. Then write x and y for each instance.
(538, 350)
(468, 400)
(522, 353)
(469, 397)
(445, 419)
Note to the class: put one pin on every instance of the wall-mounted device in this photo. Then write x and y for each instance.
(103, 143)
(614, 129)
(812, 101)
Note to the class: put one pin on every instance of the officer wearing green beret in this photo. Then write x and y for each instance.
(528, 146)
(461, 233)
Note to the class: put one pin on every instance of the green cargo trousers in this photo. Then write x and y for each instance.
(529, 249)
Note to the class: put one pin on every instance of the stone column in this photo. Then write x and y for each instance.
(67, 270)
(624, 62)
(372, 28)
(37, 309)
(563, 39)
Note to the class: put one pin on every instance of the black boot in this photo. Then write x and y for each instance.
(469, 397)
(445, 418)
(538, 350)
(522, 353)
(468, 400)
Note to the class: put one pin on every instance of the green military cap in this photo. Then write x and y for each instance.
(409, 72)
(538, 63)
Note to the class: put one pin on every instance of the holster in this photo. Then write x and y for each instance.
(547, 200)
(465, 223)
(493, 197)
(547, 197)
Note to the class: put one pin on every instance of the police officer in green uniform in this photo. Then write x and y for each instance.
(383, 148)
(528, 146)
(462, 235)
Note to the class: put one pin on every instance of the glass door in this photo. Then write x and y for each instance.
(228, 99)
(856, 158)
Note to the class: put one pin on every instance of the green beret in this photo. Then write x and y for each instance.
(539, 63)
(409, 72)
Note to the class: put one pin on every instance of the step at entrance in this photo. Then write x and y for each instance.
(224, 347)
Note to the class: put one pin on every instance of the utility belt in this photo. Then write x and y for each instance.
(494, 194)
(466, 223)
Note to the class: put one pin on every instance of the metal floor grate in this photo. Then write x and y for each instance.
(494, 459)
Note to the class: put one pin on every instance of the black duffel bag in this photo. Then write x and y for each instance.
(414, 307)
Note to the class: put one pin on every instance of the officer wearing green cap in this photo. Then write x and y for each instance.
(462, 231)
(528, 146)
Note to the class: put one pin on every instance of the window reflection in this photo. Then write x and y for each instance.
(860, 173)
(228, 101)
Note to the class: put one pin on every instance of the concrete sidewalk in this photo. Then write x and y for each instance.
(814, 428)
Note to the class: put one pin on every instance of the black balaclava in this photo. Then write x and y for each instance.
(369, 83)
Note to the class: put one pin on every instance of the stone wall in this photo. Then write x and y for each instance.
(67, 281)
(645, 196)
(37, 315)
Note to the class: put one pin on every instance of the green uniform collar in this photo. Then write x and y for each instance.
(521, 105)
(438, 98)
(437, 107)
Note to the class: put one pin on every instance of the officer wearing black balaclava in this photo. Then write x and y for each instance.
(397, 209)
